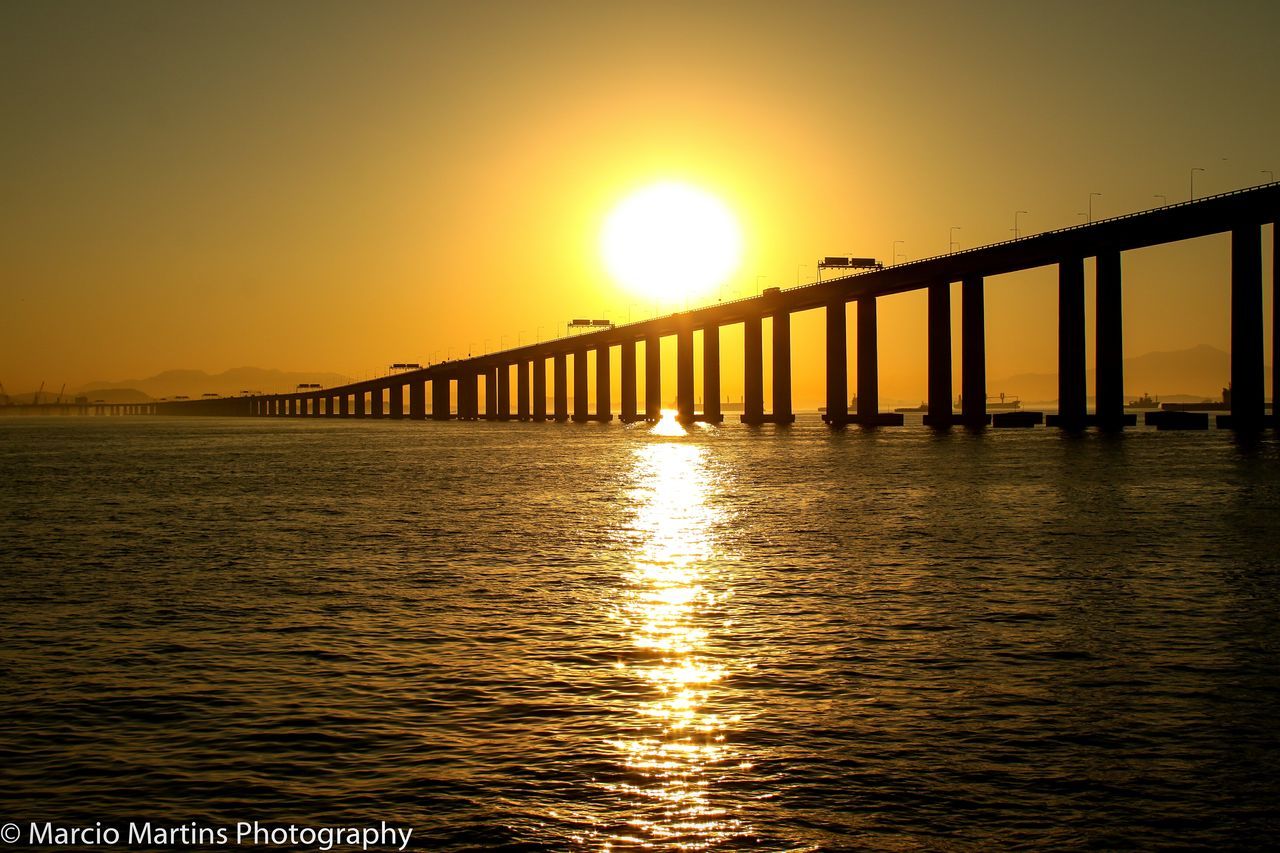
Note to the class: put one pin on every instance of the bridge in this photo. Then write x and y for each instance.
(1242, 214)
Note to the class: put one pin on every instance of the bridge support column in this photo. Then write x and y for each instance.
(868, 362)
(376, 399)
(360, 405)
(560, 381)
(439, 398)
(752, 371)
(973, 353)
(837, 364)
(580, 399)
(539, 389)
(653, 378)
(396, 397)
(782, 413)
(939, 414)
(504, 392)
(418, 399)
(1275, 326)
(491, 394)
(1072, 397)
(711, 375)
(522, 390)
(471, 384)
(1110, 341)
(629, 382)
(684, 375)
(344, 406)
(1247, 406)
(604, 405)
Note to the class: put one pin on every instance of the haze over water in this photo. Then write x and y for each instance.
(541, 637)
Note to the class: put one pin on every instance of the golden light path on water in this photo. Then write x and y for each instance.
(671, 610)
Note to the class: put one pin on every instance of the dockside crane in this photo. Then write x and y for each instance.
(60, 390)
(35, 398)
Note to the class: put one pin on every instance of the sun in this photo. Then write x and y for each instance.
(671, 241)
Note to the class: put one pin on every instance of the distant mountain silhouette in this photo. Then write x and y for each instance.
(194, 383)
(1195, 374)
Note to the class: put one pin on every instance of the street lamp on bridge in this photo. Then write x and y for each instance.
(952, 245)
(1089, 218)
(1016, 233)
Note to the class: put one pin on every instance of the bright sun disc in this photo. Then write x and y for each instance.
(671, 241)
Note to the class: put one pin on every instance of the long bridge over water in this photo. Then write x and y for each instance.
(1242, 214)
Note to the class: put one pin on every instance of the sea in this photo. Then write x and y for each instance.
(526, 637)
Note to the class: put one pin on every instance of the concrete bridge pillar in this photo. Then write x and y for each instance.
(491, 394)
(560, 386)
(539, 389)
(868, 361)
(1109, 341)
(653, 378)
(440, 398)
(684, 375)
(782, 413)
(711, 375)
(470, 383)
(360, 404)
(418, 399)
(580, 399)
(1247, 407)
(522, 390)
(973, 352)
(376, 400)
(628, 389)
(344, 406)
(604, 405)
(752, 371)
(1072, 397)
(939, 414)
(837, 364)
(1275, 326)
(315, 406)
(504, 392)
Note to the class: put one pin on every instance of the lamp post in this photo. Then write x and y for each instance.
(952, 245)
(1089, 218)
(1194, 169)
(893, 255)
(1271, 176)
(1164, 199)
(539, 339)
(1016, 233)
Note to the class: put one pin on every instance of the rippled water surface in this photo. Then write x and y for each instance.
(595, 637)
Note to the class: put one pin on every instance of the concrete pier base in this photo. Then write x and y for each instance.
(1016, 419)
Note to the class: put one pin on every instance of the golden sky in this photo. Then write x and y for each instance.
(334, 187)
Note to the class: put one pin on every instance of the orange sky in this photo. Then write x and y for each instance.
(335, 187)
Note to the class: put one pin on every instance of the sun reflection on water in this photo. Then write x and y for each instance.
(676, 746)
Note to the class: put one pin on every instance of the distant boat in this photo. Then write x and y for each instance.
(1004, 403)
(853, 405)
(1146, 401)
(1223, 405)
(923, 407)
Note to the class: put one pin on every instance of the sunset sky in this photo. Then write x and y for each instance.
(334, 187)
